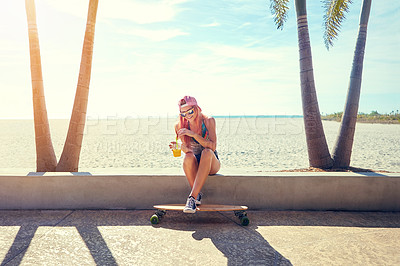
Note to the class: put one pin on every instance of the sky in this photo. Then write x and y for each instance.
(228, 54)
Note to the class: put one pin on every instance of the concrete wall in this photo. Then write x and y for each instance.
(275, 191)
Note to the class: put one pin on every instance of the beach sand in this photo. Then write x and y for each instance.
(248, 144)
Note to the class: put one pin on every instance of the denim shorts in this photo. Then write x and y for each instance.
(198, 156)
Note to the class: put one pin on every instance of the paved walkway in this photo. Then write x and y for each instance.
(127, 238)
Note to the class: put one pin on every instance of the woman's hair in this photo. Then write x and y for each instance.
(183, 123)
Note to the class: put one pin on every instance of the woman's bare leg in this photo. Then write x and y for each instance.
(190, 168)
(209, 164)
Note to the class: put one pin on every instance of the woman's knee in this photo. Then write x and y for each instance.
(189, 160)
(207, 153)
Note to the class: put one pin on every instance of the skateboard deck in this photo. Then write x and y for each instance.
(240, 211)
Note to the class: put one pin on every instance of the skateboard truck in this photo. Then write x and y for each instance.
(155, 219)
(242, 215)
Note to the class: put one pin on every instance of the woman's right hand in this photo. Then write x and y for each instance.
(172, 145)
(184, 148)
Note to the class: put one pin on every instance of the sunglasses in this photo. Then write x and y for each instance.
(188, 112)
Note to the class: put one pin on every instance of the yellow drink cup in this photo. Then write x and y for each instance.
(176, 152)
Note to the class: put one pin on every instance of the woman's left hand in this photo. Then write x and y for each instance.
(185, 131)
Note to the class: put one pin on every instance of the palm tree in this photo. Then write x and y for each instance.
(46, 160)
(69, 160)
(318, 152)
(344, 142)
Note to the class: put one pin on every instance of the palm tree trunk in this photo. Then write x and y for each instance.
(69, 160)
(46, 160)
(344, 142)
(318, 152)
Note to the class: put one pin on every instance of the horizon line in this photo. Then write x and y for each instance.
(156, 116)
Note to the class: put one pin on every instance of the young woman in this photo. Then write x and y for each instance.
(199, 141)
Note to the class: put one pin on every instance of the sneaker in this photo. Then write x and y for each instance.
(190, 205)
(198, 200)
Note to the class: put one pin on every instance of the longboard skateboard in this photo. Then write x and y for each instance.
(240, 211)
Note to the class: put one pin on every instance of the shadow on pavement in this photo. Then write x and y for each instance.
(245, 245)
(239, 244)
(97, 246)
(30, 221)
(327, 218)
(20, 245)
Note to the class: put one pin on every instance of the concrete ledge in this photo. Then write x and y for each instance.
(274, 191)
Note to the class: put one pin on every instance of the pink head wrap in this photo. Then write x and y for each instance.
(189, 101)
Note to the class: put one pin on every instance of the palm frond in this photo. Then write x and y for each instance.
(335, 11)
(279, 10)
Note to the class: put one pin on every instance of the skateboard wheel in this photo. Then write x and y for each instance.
(154, 219)
(244, 221)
